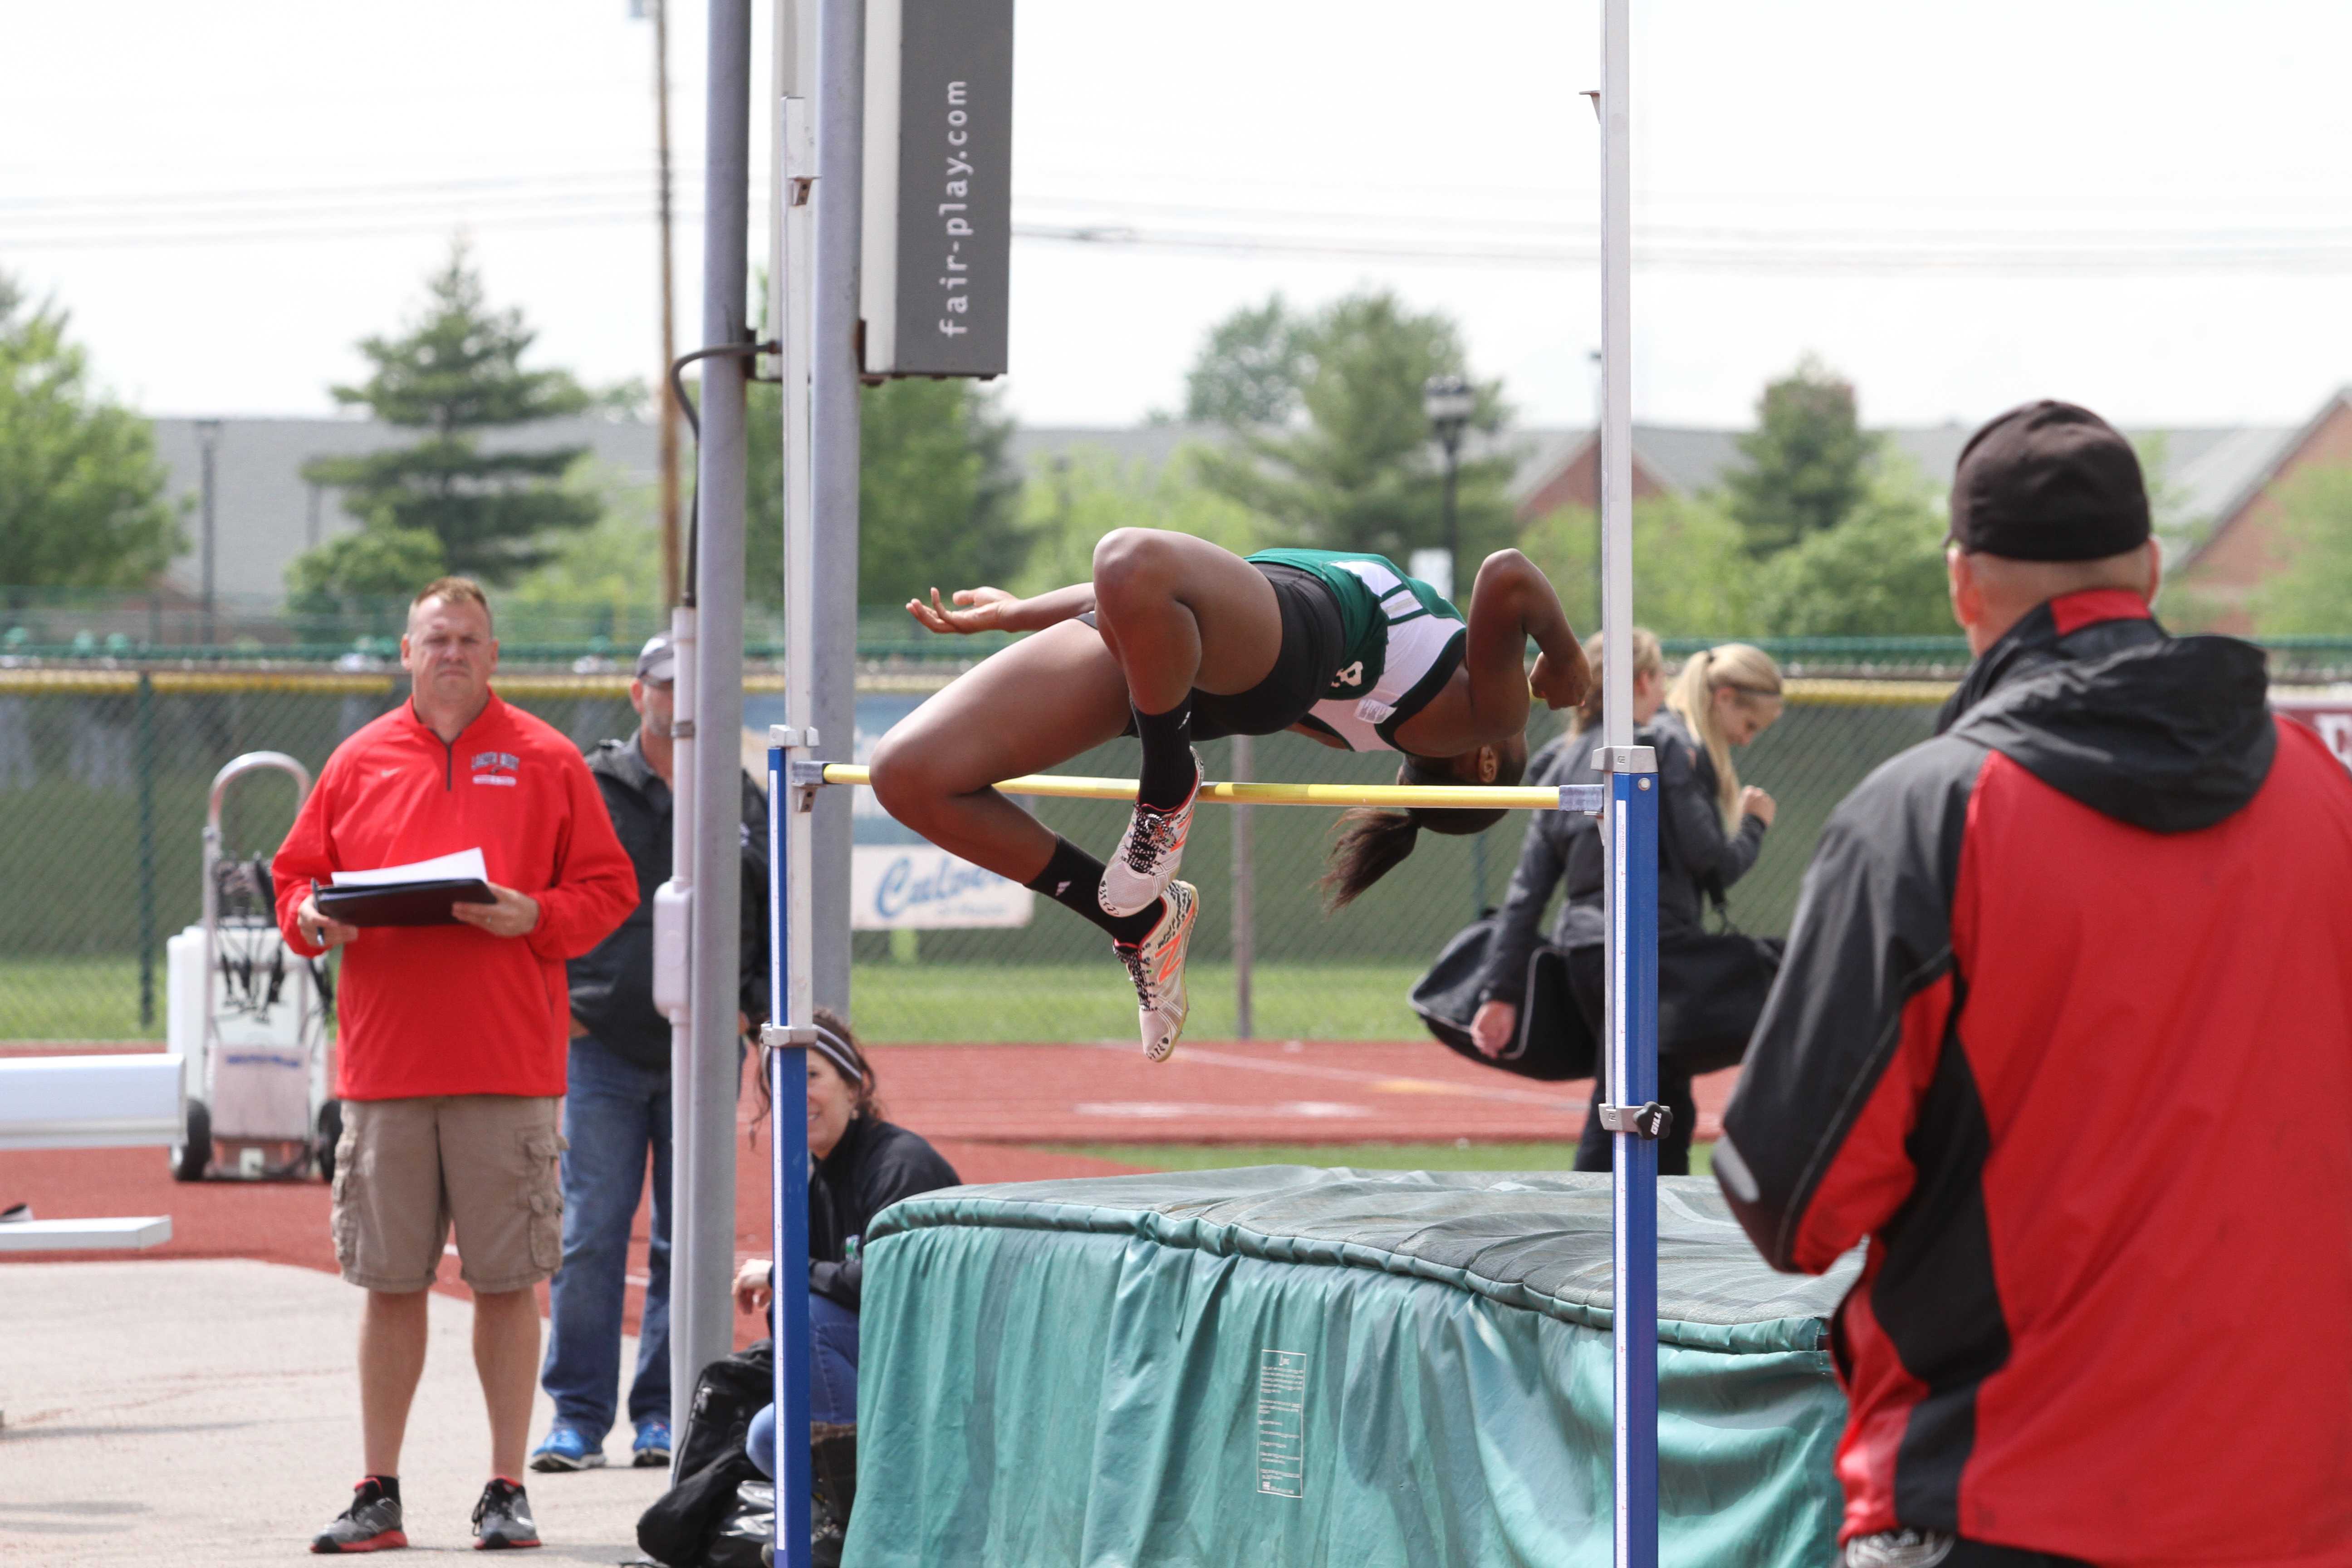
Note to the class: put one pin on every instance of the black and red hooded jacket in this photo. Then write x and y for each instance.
(2065, 1031)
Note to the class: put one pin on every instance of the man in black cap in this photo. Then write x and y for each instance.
(2065, 1032)
(617, 1108)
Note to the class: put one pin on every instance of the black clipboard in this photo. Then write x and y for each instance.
(402, 903)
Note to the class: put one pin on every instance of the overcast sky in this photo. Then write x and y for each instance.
(2140, 204)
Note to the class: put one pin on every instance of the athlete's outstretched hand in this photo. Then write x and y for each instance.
(1560, 687)
(979, 610)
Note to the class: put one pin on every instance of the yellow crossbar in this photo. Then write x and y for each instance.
(1461, 797)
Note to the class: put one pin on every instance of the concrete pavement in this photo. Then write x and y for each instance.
(205, 1413)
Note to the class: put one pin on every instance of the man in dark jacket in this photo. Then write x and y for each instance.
(618, 1104)
(2065, 1030)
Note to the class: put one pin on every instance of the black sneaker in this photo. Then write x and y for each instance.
(371, 1524)
(502, 1519)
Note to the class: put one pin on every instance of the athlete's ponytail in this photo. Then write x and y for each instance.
(1372, 841)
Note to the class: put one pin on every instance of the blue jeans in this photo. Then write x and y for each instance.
(613, 1112)
(832, 1380)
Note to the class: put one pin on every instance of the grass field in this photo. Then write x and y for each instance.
(920, 1004)
(98, 999)
(1461, 1155)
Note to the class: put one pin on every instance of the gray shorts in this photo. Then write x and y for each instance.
(407, 1170)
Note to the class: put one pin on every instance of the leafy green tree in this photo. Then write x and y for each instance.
(455, 374)
(1071, 503)
(1252, 370)
(2313, 594)
(1808, 460)
(1877, 571)
(81, 491)
(603, 580)
(938, 501)
(1692, 577)
(1361, 471)
(362, 571)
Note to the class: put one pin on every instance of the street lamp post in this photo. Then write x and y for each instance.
(1449, 402)
(208, 442)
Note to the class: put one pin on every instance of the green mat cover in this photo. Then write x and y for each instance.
(1286, 1365)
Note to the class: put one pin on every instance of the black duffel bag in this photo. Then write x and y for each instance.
(1711, 991)
(1552, 1043)
(681, 1527)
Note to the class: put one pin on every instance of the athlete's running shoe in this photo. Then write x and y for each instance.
(1148, 855)
(565, 1448)
(502, 1519)
(371, 1524)
(1156, 964)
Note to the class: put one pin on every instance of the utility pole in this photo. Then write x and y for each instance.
(665, 397)
(208, 442)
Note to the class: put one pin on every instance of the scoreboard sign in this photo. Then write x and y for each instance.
(938, 187)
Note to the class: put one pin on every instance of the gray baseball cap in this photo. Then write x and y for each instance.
(658, 661)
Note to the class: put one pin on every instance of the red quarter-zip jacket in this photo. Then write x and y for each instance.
(431, 1010)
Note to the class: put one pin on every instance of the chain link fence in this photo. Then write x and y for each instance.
(105, 773)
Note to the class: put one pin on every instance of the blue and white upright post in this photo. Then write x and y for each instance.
(793, 775)
(1630, 832)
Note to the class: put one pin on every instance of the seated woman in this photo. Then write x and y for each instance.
(860, 1166)
(1176, 639)
(1711, 985)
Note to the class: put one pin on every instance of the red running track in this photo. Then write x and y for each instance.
(980, 1104)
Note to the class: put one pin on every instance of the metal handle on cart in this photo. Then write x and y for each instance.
(236, 768)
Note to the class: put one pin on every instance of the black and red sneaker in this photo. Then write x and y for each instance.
(371, 1524)
(502, 1519)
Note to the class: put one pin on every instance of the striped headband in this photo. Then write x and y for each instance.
(844, 1056)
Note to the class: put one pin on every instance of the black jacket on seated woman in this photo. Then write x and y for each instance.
(861, 1165)
(875, 1164)
(1711, 985)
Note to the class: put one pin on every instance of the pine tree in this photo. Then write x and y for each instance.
(456, 373)
(1808, 460)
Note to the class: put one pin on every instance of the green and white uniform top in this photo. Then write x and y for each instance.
(1402, 643)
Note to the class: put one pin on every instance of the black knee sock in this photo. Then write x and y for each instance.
(1073, 879)
(1167, 774)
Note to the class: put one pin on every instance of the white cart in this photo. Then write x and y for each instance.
(249, 1016)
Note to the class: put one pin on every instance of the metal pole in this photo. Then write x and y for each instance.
(708, 1217)
(146, 722)
(834, 366)
(788, 985)
(1245, 896)
(1630, 837)
(1455, 586)
(673, 940)
(792, 832)
(208, 443)
(666, 394)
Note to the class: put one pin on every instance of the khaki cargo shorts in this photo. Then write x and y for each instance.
(405, 1170)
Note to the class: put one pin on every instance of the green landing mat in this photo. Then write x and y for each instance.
(1285, 1365)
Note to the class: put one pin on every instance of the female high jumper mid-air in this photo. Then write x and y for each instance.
(1175, 640)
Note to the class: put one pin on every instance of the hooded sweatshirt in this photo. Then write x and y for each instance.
(2065, 1031)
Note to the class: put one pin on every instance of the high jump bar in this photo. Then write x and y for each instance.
(1461, 797)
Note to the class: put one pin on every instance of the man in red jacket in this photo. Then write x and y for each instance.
(2065, 1031)
(450, 1051)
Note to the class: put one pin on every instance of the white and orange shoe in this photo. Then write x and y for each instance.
(1156, 964)
(1148, 854)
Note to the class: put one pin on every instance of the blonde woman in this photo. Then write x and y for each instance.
(1711, 985)
(1560, 844)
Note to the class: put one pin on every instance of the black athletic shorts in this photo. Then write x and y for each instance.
(1312, 642)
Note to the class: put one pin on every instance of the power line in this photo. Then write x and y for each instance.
(623, 197)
